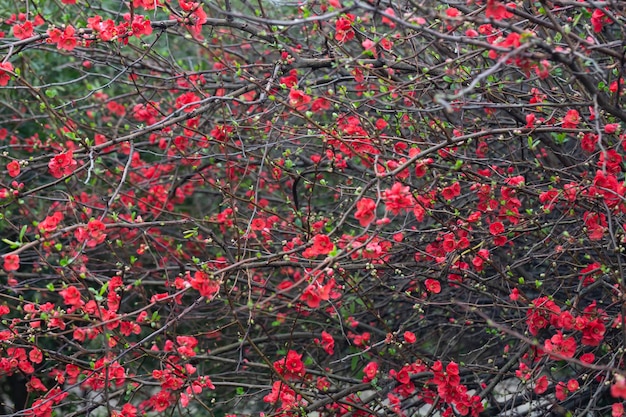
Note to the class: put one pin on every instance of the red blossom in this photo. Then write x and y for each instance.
(298, 99)
(343, 28)
(497, 11)
(409, 337)
(618, 389)
(369, 371)
(432, 286)
(398, 198)
(203, 283)
(93, 234)
(23, 30)
(593, 333)
(496, 228)
(67, 39)
(291, 366)
(365, 211)
(327, 342)
(72, 296)
(11, 262)
(571, 119)
(563, 346)
(541, 385)
(5, 69)
(13, 169)
(62, 164)
(322, 245)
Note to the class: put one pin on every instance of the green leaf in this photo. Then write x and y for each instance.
(13, 245)
(23, 232)
(354, 363)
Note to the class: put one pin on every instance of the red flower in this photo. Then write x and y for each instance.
(398, 198)
(588, 142)
(221, 132)
(562, 389)
(128, 410)
(365, 211)
(370, 371)
(587, 357)
(315, 293)
(611, 128)
(541, 385)
(496, 228)
(206, 286)
(563, 346)
(452, 12)
(24, 30)
(452, 191)
(67, 40)
(320, 104)
(280, 391)
(298, 99)
(322, 245)
(599, 19)
(548, 198)
(571, 119)
(596, 224)
(542, 312)
(5, 68)
(433, 286)
(311, 296)
(611, 160)
(161, 401)
(62, 164)
(608, 186)
(618, 389)
(13, 168)
(387, 21)
(291, 366)
(72, 297)
(479, 259)
(50, 223)
(141, 26)
(409, 337)
(11, 262)
(327, 343)
(496, 10)
(93, 234)
(188, 102)
(593, 333)
(343, 28)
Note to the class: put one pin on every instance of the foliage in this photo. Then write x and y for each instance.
(352, 208)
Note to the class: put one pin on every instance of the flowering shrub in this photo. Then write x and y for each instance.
(335, 207)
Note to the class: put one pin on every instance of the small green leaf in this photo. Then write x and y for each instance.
(13, 245)
(23, 232)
